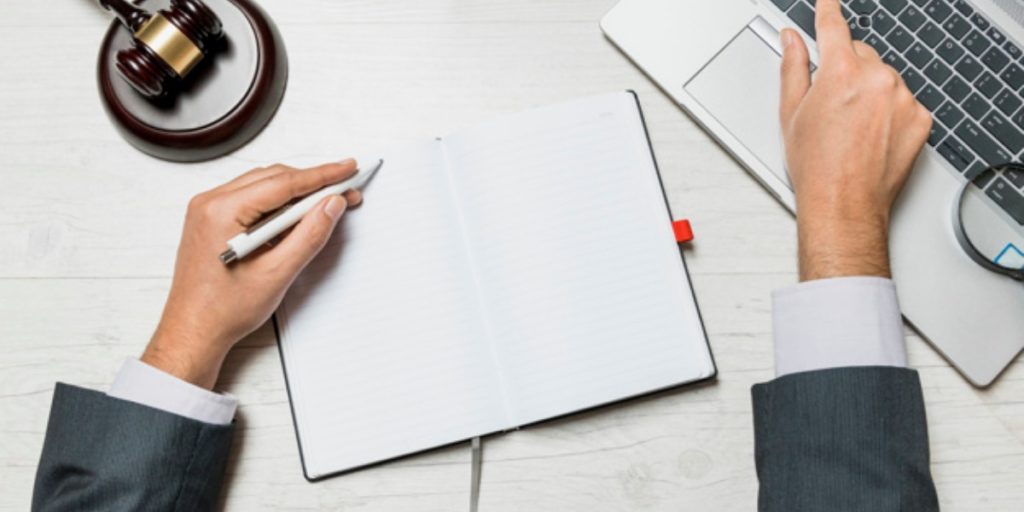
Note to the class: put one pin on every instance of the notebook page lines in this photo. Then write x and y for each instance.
(381, 334)
(590, 299)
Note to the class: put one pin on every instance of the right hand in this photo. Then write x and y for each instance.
(211, 306)
(852, 138)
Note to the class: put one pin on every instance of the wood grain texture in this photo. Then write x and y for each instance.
(90, 227)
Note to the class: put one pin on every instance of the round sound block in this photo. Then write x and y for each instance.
(223, 103)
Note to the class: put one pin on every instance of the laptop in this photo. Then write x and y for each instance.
(719, 60)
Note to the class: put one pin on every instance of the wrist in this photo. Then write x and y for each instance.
(844, 246)
(185, 356)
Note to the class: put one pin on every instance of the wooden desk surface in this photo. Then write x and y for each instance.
(89, 229)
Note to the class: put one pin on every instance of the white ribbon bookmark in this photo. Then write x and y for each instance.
(474, 486)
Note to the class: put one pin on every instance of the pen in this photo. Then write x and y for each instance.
(289, 215)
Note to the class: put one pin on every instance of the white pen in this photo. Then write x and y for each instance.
(279, 221)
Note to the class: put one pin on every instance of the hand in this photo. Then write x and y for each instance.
(212, 306)
(851, 141)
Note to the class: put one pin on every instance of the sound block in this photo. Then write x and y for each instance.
(223, 104)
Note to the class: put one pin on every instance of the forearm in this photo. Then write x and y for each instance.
(843, 439)
(103, 453)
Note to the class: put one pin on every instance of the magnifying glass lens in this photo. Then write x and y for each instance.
(992, 217)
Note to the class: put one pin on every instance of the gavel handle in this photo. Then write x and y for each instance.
(130, 15)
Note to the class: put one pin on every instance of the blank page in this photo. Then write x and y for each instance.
(584, 287)
(382, 336)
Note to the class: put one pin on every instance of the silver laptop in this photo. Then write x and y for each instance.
(719, 60)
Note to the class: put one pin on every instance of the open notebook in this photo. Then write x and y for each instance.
(510, 273)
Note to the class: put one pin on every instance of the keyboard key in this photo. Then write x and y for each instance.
(949, 115)
(1013, 76)
(930, 97)
(1008, 102)
(950, 51)
(955, 153)
(995, 59)
(919, 55)
(982, 144)
(784, 4)
(976, 106)
(1011, 201)
(877, 43)
(957, 89)
(863, 6)
(937, 134)
(962, 7)
(882, 22)
(989, 85)
(938, 10)
(957, 26)
(977, 169)
(1012, 50)
(938, 72)
(913, 79)
(803, 16)
(969, 68)
(979, 22)
(893, 59)
(894, 6)
(931, 34)
(912, 18)
(1014, 176)
(996, 36)
(900, 39)
(977, 43)
(1011, 136)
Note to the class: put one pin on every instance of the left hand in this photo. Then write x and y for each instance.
(212, 306)
(852, 136)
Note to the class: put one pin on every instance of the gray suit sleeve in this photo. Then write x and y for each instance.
(102, 453)
(843, 440)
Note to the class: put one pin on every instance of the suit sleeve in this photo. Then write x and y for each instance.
(103, 453)
(847, 439)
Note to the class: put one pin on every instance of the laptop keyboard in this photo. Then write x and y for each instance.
(960, 67)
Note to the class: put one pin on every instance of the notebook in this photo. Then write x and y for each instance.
(513, 272)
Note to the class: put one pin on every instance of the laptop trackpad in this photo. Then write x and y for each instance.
(740, 88)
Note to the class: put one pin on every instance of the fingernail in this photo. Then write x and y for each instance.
(787, 38)
(335, 207)
(347, 161)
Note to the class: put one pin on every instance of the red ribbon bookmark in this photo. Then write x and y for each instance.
(683, 231)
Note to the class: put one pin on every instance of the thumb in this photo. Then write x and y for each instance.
(309, 236)
(796, 74)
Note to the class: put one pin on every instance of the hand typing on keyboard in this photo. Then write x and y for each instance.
(852, 137)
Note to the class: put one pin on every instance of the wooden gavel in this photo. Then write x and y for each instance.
(166, 45)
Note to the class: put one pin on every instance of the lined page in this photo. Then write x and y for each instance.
(382, 336)
(584, 286)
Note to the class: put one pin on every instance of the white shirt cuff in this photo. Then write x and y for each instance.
(143, 384)
(836, 323)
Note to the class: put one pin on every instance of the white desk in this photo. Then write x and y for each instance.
(89, 229)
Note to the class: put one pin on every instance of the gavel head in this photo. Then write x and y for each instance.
(169, 45)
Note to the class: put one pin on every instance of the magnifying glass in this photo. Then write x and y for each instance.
(986, 196)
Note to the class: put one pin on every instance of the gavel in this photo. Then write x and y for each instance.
(166, 45)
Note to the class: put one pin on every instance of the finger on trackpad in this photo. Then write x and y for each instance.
(740, 88)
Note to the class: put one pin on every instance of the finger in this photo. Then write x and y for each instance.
(309, 236)
(915, 131)
(796, 74)
(266, 195)
(833, 34)
(866, 51)
(253, 176)
(354, 198)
